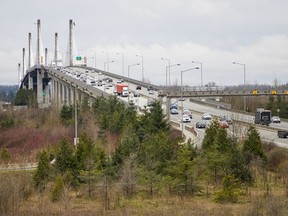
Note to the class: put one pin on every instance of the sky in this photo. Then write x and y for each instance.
(213, 32)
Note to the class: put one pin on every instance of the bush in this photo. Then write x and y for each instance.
(58, 189)
(14, 189)
(230, 191)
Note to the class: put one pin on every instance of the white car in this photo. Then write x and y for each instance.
(275, 119)
(206, 116)
(186, 118)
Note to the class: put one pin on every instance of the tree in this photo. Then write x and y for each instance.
(230, 191)
(25, 97)
(58, 189)
(182, 170)
(210, 134)
(5, 157)
(65, 160)
(252, 148)
(43, 171)
(66, 115)
(154, 121)
(90, 158)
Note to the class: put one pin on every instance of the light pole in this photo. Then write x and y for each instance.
(129, 79)
(122, 62)
(166, 69)
(107, 65)
(200, 71)
(142, 67)
(182, 128)
(169, 66)
(244, 67)
(94, 57)
(107, 59)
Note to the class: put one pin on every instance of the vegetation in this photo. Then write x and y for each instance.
(137, 164)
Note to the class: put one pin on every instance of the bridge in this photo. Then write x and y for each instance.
(52, 86)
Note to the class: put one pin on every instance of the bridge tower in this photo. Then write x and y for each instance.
(70, 45)
(56, 50)
(23, 64)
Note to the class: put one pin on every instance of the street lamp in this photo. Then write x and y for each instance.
(94, 57)
(129, 79)
(107, 65)
(122, 62)
(107, 59)
(182, 95)
(244, 67)
(166, 69)
(142, 67)
(169, 66)
(201, 71)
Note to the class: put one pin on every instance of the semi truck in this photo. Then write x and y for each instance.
(122, 89)
(262, 117)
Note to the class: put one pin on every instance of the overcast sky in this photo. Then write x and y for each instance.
(214, 32)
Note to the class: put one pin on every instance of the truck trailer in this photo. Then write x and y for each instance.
(122, 89)
(262, 117)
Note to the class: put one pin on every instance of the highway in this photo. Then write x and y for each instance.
(241, 121)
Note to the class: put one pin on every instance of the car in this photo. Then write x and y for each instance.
(181, 99)
(186, 118)
(223, 124)
(138, 87)
(122, 80)
(149, 88)
(227, 119)
(119, 81)
(136, 94)
(107, 87)
(151, 92)
(173, 106)
(100, 73)
(187, 112)
(201, 124)
(174, 111)
(206, 116)
(149, 102)
(275, 119)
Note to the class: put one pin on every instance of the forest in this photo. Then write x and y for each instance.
(127, 163)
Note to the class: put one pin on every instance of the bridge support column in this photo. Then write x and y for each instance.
(47, 94)
(30, 81)
(39, 87)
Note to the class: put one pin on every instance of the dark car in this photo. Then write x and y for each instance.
(201, 124)
(149, 88)
(138, 87)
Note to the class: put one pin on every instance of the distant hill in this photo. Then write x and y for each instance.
(8, 92)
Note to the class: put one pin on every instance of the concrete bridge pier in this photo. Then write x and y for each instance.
(40, 86)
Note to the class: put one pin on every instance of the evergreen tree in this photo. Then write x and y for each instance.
(58, 189)
(67, 115)
(5, 157)
(210, 134)
(25, 97)
(43, 171)
(182, 170)
(65, 160)
(252, 148)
